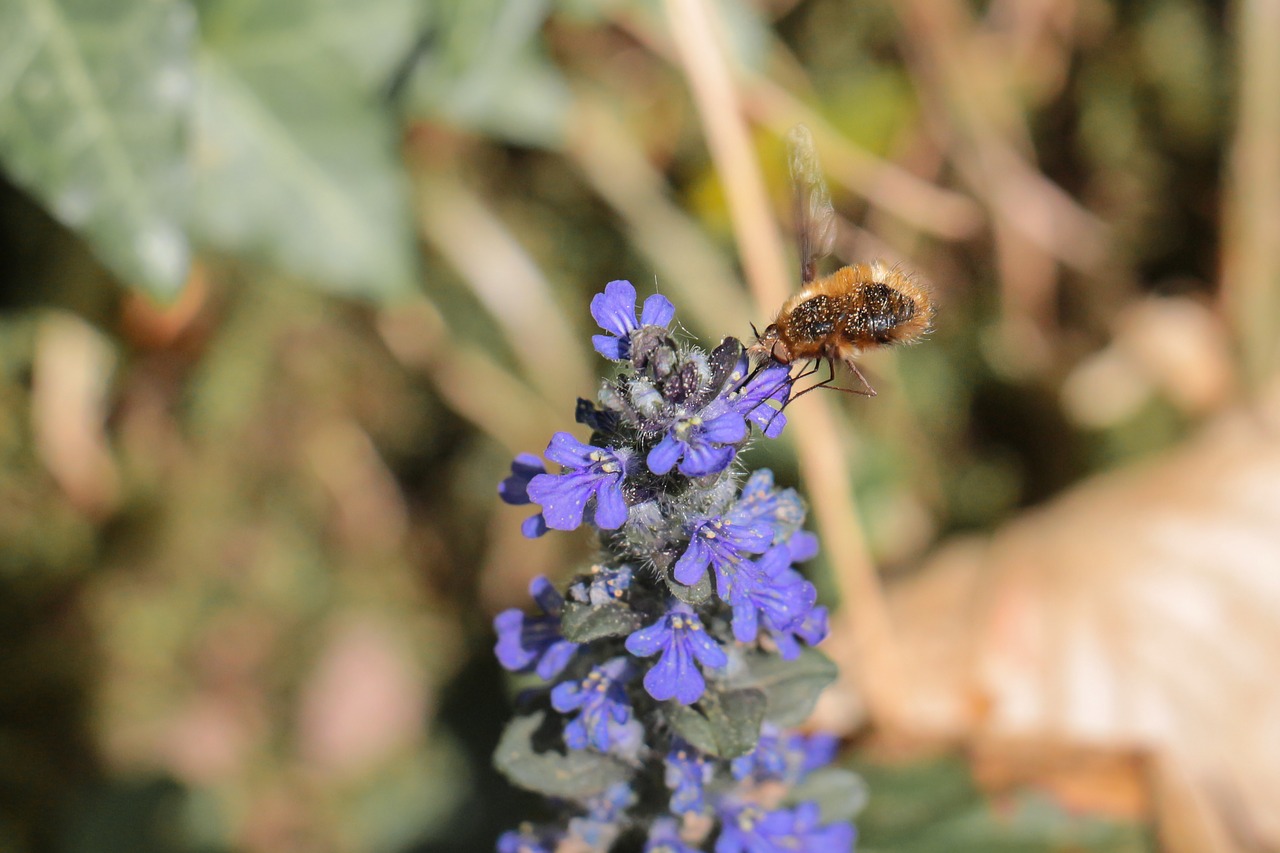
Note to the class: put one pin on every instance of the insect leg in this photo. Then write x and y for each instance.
(869, 392)
(814, 367)
(831, 378)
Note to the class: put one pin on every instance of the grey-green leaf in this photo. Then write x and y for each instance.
(699, 593)
(94, 104)
(582, 623)
(735, 717)
(724, 724)
(578, 773)
(692, 726)
(840, 794)
(792, 687)
(296, 159)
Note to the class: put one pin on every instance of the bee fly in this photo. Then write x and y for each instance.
(842, 315)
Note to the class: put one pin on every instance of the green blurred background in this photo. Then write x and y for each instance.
(286, 283)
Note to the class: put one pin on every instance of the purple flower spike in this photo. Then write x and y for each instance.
(615, 312)
(701, 443)
(605, 585)
(682, 640)
(664, 837)
(787, 758)
(593, 472)
(529, 839)
(751, 399)
(751, 829)
(770, 590)
(722, 542)
(816, 750)
(782, 508)
(515, 490)
(803, 546)
(767, 761)
(812, 629)
(686, 772)
(604, 722)
(600, 826)
(534, 642)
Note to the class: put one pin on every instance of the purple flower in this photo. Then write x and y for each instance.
(680, 637)
(723, 542)
(751, 829)
(664, 837)
(592, 472)
(604, 721)
(815, 750)
(786, 758)
(812, 629)
(515, 490)
(767, 761)
(702, 443)
(803, 546)
(760, 501)
(600, 826)
(529, 839)
(771, 590)
(606, 585)
(615, 312)
(752, 397)
(534, 642)
(687, 771)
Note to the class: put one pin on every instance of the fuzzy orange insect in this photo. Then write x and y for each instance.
(842, 315)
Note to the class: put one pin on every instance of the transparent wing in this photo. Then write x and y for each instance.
(815, 219)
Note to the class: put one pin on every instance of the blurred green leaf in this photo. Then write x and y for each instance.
(369, 38)
(296, 161)
(840, 794)
(577, 773)
(935, 806)
(487, 71)
(792, 686)
(94, 102)
(143, 816)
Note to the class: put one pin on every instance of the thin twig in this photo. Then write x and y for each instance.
(884, 184)
(506, 280)
(470, 381)
(685, 259)
(1251, 219)
(989, 134)
(698, 47)
(822, 448)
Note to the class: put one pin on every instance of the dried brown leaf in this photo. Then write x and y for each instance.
(1139, 611)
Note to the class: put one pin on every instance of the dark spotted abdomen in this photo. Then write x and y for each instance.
(877, 311)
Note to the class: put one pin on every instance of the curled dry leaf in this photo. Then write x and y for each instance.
(1139, 612)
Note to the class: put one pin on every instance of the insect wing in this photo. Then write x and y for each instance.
(815, 219)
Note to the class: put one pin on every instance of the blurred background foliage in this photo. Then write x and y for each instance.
(285, 283)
